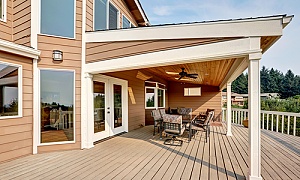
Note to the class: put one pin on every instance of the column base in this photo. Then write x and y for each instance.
(87, 146)
(228, 134)
(254, 178)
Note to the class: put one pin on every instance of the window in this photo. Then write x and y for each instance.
(2, 10)
(192, 91)
(155, 95)
(57, 106)
(106, 15)
(58, 18)
(9, 91)
(125, 22)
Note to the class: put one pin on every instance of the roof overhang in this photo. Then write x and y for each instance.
(138, 12)
(19, 49)
(253, 27)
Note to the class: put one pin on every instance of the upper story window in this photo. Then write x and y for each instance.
(58, 18)
(154, 95)
(126, 23)
(3, 10)
(106, 15)
(10, 105)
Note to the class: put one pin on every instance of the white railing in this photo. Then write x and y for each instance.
(284, 122)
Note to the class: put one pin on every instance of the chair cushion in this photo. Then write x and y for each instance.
(172, 118)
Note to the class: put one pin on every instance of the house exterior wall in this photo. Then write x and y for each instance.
(210, 98)
(6, 27)
(16, 133)
(71, 49)
(21, 22)
(120, 5)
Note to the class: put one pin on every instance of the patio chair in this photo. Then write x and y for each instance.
(162, 112)
(202, 116)
(198, 124)
(186, 113)
(157, 120)
(173, 126)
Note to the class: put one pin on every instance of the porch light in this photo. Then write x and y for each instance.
(57, 55)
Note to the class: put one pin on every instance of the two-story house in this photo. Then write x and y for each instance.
(75, 72)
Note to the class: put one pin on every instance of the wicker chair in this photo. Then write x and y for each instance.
(186, 113)
(198, 124)
(173, 126)
(157, 120)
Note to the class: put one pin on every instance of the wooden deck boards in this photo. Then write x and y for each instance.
(139, 155)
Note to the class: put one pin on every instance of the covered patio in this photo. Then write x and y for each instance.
(218, 51)
(140, 155)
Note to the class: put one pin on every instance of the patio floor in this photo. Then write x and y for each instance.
(139, 155)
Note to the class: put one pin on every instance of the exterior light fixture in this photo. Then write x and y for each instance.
(57, 55)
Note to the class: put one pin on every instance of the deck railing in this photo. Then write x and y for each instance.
(284, 122)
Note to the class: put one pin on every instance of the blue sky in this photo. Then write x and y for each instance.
(283, 55)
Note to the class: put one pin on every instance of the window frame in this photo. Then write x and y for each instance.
(39, 107)
(4, 11)
(130, 23)
(107, 16)
(156, 88)
(51, 35)
(20, 92)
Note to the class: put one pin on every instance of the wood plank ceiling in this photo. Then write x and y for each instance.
(209, 72)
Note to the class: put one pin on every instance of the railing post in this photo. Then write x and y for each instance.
(288, 126)
(272, 122)
(294, 129)
(228, 113)
(263, 121)
(282, 124)
(267, 121)
(277, 122)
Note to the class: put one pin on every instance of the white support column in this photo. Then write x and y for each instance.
(88, 116)
(228, 113)
(254, 117)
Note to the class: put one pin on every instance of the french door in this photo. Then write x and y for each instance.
(110, 106)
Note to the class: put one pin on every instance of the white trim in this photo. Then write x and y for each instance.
(35, 23)
(3, 16)
(20, 91)
(156, 88)
(118, 14)
(228, 111)
(39, 107)
(51, 35)
(234, 28)
(19, 49)
(36, 109)
(208, 52)
(147, 23)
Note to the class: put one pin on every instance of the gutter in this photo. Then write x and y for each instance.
(19, 49)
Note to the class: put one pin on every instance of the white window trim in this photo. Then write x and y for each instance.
(50, 35)
(107, 15)
(20, 92)
(39, 107)
(3, 16)
(156, 88)
(124, 16)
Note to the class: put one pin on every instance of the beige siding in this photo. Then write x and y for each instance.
(119, 4)
(16, 134)
(71, 49)
(6, 27)
(210, 98)
(21, 22)
(106, 51)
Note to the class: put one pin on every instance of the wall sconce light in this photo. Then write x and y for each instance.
(57, 55)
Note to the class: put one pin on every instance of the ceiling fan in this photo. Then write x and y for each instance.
(183, 74)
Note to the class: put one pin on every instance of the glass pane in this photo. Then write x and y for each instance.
(100, 14)
(8, 90)
(57, 106)
(117, 105)
(113, 17)
(57, 17)
(125, 22)
(161, 98)
(1, 15)
(99, 107)
(149, 97)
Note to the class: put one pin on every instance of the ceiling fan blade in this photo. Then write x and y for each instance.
(192, 74)
(180, 77)
(194, 77)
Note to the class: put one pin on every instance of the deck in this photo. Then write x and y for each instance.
(139, 155)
